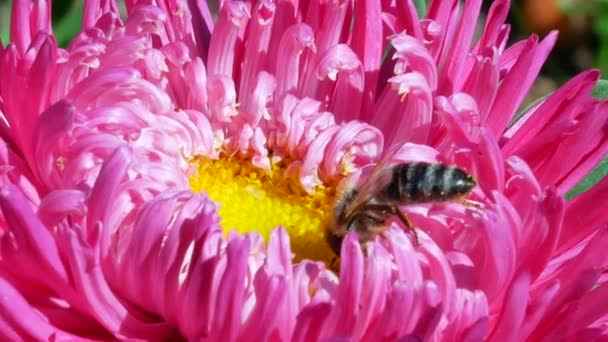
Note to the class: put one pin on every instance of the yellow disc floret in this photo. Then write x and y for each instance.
(252, 199)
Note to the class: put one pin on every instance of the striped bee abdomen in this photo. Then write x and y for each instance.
(426, 182)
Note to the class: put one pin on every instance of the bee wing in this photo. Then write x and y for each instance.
(378, 177)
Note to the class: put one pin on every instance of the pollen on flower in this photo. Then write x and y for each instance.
(252, 199)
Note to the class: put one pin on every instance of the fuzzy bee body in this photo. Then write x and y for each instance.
(365, 209)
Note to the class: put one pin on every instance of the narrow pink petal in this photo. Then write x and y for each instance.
(537, 307)
(228, 307)
(279, 256)
(285, 17)
(14, 170)
(202, 25)
(584, 214)
(576, 277)
(368, 44)
(308, 169)
(412, 55)
(88, 280)
(268, 318)
(516, 83)
(20, 25)
(31, 237)
(222, 98)
(390, 324)
(255, 106)
(40, 19)
(440, 15)
(407, 16)
(233, 17)
(376, 281)
(440, 271)
(20, 321)
(363, 143)
(558, 103)
(496, 257)
(495, 21)
(333, 24)
(258, 40)
(549, 219)
(457, 53)
(588, 310)
(294, 41)
(106, 186)
(472, 323)
(411, 99)
(513, 310)
(58, 204)
(114, 85)
(196, 79)
(343, 318)
(482, 83)
(406, 258)
(328, 66)
(348, 96)
(311, 321)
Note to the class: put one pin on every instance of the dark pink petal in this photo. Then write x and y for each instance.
(410, 102)
(40, 19)
(342, 319)
(412, 56)
(517, 82)
(95, 9)
(331, 64)
(258, 40)
(331, 30)
(228, 306)
(19, 320)
(513, 311)
(202, 25)
(458, 50)
(294, 41)
(408, 17)
(584, 214)
(58, 204)
(558, 103)
(481, 83)
(268, 318)
(233, 17)
(311, 321)
(494, 23)
(20, 25)
(376, 281)
(368, 44)
(53, 124)
(576, 276)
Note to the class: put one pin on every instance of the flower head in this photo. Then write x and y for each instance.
(170, 176)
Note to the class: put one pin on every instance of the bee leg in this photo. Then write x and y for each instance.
(470, 203)
(406, 221)
(394, 210)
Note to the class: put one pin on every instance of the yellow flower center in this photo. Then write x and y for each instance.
(252, 199)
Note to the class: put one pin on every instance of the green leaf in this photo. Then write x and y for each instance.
(588, 182)
(600, 91)
(5, 21)
(420, 7)
(69, 25)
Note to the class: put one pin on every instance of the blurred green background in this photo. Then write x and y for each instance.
(582, 44)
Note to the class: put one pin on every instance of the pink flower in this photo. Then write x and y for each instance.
(128, 158)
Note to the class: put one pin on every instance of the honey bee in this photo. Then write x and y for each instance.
(365, 209)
